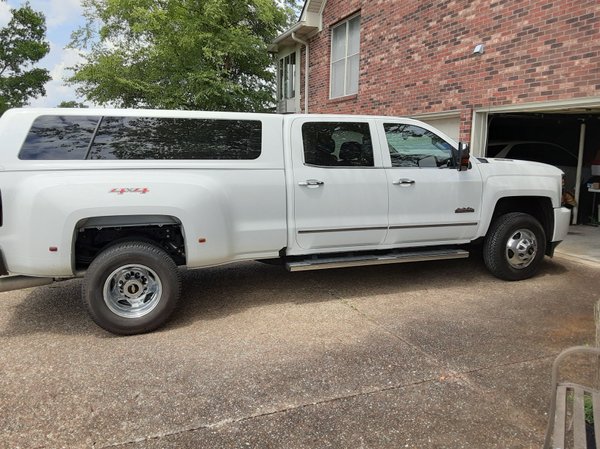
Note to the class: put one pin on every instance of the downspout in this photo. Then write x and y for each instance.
(305, 43)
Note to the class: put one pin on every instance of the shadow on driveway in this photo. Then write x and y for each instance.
(215, 293)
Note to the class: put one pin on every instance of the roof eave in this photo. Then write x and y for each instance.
(302, 30)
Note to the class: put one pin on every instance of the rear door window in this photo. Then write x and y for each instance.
(337, 144)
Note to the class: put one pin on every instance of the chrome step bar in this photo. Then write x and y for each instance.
(379, 259)
(9, 283)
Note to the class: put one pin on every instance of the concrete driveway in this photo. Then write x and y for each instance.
(430, 355)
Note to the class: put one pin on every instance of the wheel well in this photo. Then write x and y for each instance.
(95, 234)
(536, 206)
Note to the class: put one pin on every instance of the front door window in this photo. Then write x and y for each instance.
(413, 146)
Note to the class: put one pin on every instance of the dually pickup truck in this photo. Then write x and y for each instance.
(124, 198)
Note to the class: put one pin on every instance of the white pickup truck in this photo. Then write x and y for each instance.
(125, 197)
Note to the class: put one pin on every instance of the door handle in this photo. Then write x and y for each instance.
(404, 182)
(311, 183)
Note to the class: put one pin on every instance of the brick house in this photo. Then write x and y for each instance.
(511, 77)
(449, 62)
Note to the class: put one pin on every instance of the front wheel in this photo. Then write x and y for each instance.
(131, 288)
(514, 246)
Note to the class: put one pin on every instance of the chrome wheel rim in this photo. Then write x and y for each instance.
(132, 291)
(521, 248)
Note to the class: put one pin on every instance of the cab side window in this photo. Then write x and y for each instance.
(413, 146)
(337, 144)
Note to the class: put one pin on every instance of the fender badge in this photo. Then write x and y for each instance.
(464, 210)
(122, 190)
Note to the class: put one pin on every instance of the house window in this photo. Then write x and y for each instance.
(345, 46)
(287, 77)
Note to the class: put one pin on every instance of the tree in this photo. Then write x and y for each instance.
(72, 104)
(179, 54)
(22, 43)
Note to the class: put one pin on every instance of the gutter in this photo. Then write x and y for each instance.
(305, 43)
(290, 32)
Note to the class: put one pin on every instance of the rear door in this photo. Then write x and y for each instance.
(340, 187)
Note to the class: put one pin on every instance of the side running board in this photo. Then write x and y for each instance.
(379, 259)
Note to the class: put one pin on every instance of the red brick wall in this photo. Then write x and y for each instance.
(416, 56)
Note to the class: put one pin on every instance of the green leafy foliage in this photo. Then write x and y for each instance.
(179, 54)
(22, 43)
(72, 104)
(588, 407)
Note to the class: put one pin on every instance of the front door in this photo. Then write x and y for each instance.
(430, 201)
(340, 187)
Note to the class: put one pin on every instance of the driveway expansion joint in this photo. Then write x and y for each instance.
(430, 357)
(226, 422)
(449, 375)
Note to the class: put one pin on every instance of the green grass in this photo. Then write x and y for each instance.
(588, 409)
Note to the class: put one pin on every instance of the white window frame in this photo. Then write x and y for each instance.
(345, 23)
(286, 84)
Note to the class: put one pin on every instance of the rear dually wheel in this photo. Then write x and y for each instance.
(131, 288)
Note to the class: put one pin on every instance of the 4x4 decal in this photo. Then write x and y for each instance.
(122, 190)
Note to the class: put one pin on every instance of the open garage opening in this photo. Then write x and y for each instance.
(567, 140)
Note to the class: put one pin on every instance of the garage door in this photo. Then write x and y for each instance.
(447, 125)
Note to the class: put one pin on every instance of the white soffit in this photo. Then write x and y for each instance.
(309, 23)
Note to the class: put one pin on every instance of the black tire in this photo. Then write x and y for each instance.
(131, 288)
(510, 254)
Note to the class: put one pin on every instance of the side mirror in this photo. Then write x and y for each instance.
(462, 156)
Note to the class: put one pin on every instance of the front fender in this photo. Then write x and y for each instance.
(514, 186)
